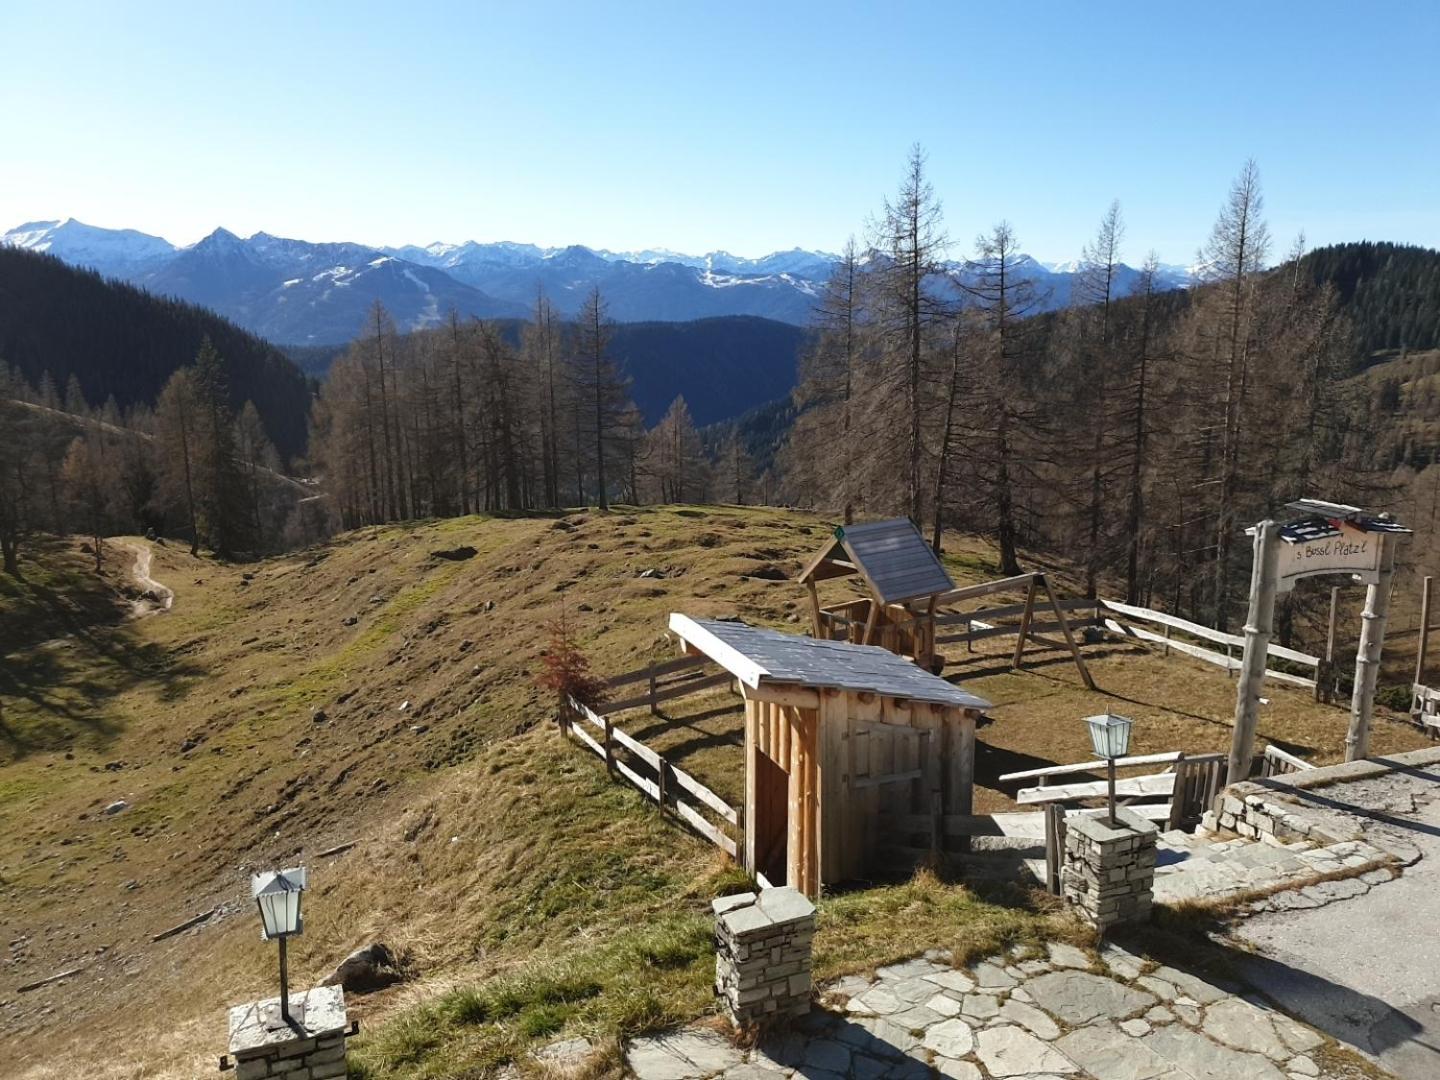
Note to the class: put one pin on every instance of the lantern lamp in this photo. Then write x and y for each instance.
(277, 895)
(1110, 738)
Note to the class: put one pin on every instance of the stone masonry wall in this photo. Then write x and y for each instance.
(266, 1051)
(762, 954)
(1109, 872)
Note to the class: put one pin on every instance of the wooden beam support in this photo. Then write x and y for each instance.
(1069, 637)
(796, 697)
(1024, 623)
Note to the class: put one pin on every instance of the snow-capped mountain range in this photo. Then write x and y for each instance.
(298, 292)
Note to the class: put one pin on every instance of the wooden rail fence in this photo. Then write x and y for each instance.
(1425, 707)
(1277, 762)
(1234, 643)
(621, 752)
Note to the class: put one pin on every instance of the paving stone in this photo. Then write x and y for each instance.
(957, 1070)
(1302, 1065)
(1160, 1015)
(780, 1051)
(1030, 1018)
(877, 1001)
(943, 1004)
(828, 1054)
(685, 1055)
(1020, 994)
(1105, 1050)
(980, 1006)
(1033, 967)
(1296, 1035)
(892, 1040)
(1078, 997)
(1203, 1059)
(1122, 962)
(753, 1072)
(1192, 986)
(1136, 1028)
(817, 1023)
(849, 986)
(910, 969)
(952, 980)
(1188, 1014)
(951, 1038)
(916, 1018)
(1068, 956)
(913, 990)
(995, 978)
(1245, 1027)
(909, 1069)
(1012, 1051)
(1163, 990)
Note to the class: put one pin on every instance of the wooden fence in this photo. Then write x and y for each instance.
(666, 785)
(1425, 707)
(982, 624)
(1234, 644)
(1277, 762)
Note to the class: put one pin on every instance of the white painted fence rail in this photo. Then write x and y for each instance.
(1234, 643)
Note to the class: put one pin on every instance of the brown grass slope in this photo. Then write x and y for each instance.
(368, 691)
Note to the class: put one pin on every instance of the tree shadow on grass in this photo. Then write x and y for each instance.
(61, 690)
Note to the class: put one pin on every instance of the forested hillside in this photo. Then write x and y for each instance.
(1390, 292)
(724, 366)
(120, 342)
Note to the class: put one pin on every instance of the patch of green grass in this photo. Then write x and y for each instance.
(861, 930)
(656, 972)
(644, 978)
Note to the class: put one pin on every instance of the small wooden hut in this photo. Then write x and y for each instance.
(843, 744)
(903, 577)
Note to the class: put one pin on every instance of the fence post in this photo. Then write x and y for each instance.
(663, 783)
(609, 747)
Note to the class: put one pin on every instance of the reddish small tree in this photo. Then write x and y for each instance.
(566, 670)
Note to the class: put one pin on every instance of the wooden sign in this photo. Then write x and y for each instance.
(1351, 552)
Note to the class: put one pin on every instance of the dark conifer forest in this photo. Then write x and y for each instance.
(119, 341)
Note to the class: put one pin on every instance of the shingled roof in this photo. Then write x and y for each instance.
(891, 556)
(759, 657)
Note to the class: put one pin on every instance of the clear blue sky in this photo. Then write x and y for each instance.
(748, 127)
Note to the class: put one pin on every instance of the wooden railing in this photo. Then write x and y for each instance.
(1425, 707)
(621, 752)
(1234, 644)
(1277, 762)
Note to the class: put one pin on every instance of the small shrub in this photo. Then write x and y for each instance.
(1396, 697)
(566, 670)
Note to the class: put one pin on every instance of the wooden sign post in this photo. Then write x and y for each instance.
(1259, 625)
(1329, 539)
(1367, 659)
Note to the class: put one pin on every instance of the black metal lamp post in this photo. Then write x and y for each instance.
(277, 894)
(1110, 738)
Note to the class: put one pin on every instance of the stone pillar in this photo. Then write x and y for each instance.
(312, 1047)
(1109, 872)
(762, 954)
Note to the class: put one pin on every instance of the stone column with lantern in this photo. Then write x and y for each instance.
(1108, 868)
(298, 1036)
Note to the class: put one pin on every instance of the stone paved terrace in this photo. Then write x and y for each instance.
(1063, 1015)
